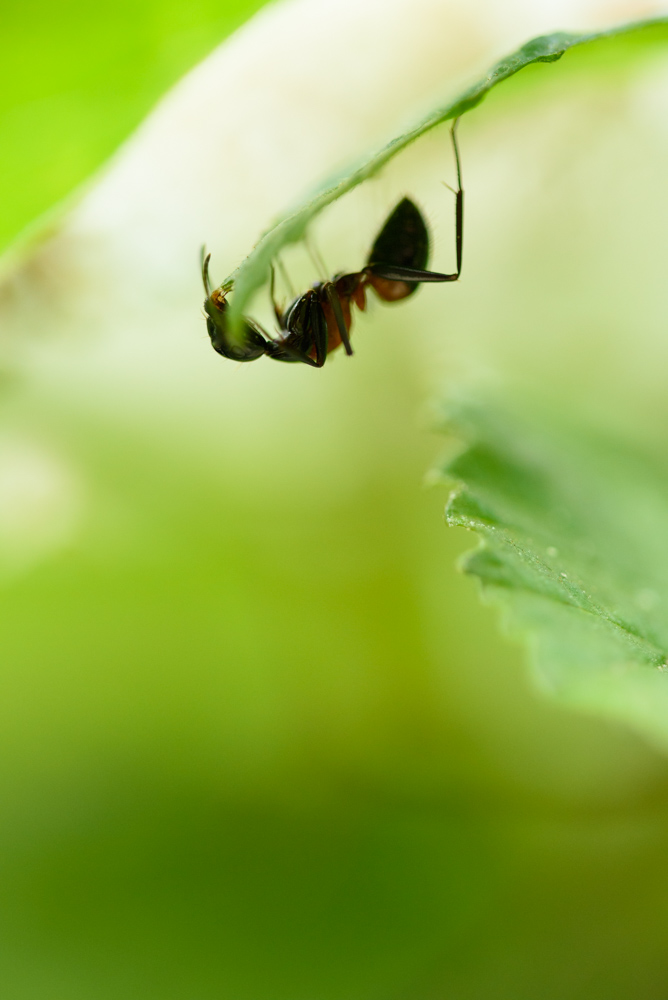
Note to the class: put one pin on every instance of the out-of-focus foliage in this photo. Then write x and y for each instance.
(575, 545)
(253, 721)
(76, 77)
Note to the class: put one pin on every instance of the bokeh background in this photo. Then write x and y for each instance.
(260, 739)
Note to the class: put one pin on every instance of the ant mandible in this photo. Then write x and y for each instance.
(318, 321)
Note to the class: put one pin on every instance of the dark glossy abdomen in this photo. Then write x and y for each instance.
(403, 240)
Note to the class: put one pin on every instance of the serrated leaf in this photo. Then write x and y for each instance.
(574, 546)
(255, 269)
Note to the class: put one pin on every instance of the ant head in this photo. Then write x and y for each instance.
(215, 309)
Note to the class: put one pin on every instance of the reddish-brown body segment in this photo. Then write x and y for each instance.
(351, 290)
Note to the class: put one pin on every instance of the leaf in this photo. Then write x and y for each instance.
(255, 269)
(574, 545)
(78, 77)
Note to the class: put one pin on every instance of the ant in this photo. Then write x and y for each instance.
(318, 321)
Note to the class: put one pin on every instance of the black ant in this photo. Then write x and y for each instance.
(318, 321)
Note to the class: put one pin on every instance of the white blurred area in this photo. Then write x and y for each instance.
(40, 504)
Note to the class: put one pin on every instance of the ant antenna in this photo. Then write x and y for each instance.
(205, 258)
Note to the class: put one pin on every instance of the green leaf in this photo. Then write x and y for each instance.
(255, 269)
(76, 78)
(574, 546)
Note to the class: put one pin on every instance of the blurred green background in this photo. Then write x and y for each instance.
(76, 78)
(259, 738)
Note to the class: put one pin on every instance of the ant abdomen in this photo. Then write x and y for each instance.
(402, 242)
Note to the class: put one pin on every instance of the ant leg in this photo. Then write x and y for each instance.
(316, 259)
(272, 285)
(393, 272)
(286, 278)
(335, 303)
(312, 326)
(459, 203)
(281, 351)
(305, 331)
(332, 297)
(320, 332)
(284, 353)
